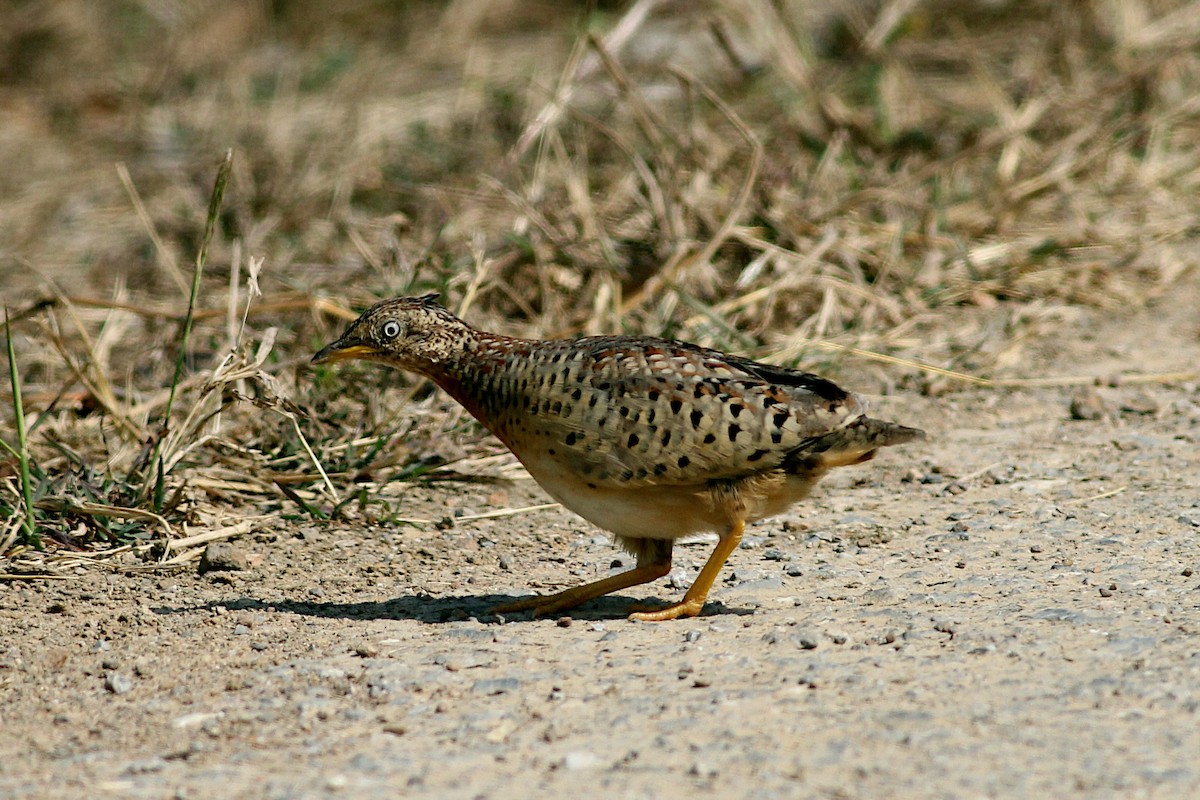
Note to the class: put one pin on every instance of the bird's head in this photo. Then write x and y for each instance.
(412, 333)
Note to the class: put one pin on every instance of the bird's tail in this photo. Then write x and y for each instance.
(851, 444)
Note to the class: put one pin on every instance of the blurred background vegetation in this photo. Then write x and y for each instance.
(829, 184)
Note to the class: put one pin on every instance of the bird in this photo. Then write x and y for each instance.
(650, 439)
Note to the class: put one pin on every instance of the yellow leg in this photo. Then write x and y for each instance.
(569, 598)
(693, 601)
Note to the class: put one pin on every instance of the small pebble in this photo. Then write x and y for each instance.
(580, 759)
(223, 557)
(118, 683)
(563, 622)
(691, 636)
(805, 640)
(1087, 405)
(678, 579)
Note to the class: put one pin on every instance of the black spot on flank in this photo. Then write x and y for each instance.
(624, 411)
(604, 386)
(641, 473)
(676, 406)
(769, 401)
(653, 395)
(659, 469)
(679, 387)
(698, 392)
(571, 439)
(592, 486)
(626, 474)
(554, 359)
(620, 390)
(697, 417)
(709, 438)
(734, 430)
(546, 407)
(781, 418)
(650, 415)
(578, 393)
(683, 462)
(666, 438)
(551, 452)
(553, 378)
(600, 422)
(736, 410)
(776, 437)
(633, 440)
(557, 407)
(592, 401)
(756, 455)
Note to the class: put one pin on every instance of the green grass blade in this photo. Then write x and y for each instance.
(29, 523)
(210, 225)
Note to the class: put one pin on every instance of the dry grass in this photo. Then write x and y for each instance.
(933, 183)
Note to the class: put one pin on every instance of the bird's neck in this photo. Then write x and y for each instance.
(474, 373)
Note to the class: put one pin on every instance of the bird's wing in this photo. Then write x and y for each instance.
(660, 412)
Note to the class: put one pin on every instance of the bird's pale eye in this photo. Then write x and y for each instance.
(390, 329)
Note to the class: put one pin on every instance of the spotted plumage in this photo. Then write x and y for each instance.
(649, 438)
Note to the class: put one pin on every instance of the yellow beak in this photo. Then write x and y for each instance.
(341, 351)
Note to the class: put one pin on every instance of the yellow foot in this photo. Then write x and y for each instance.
(685, 608)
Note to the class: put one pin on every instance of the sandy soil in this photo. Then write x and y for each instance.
(1011, 609)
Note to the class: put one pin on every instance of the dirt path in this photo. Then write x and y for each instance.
(1011, 609)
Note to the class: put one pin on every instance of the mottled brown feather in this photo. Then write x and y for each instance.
(649, 438)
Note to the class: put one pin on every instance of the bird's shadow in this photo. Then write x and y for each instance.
(435, 610)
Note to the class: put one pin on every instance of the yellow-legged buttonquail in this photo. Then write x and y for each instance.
(647, 438)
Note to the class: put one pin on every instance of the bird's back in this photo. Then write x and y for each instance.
(623, 412)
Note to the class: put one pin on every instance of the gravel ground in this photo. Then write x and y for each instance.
(1010, 609)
